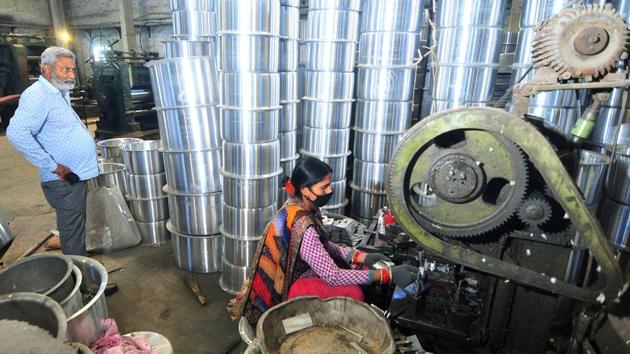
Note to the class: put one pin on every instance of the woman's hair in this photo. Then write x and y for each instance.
(307, 172)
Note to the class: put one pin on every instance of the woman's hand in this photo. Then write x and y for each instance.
(369, 259)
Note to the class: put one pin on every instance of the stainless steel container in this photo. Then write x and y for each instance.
(143, 157)
(233, 277)
(562, 118)
(618, 184)
(349, 5)
(591, 174)
(154, 233)
(327, 114)
(365, 205)
(605, 130)
(290, 3)
(189, 128)
(73, 302)
(330, 55)
(192, 5)
(287, 168)
(249, 193)
(435, 105)
(327, 85)
(386, 84)
(239, 252)
(35, 309)
(382, 116)
(337, 163)
(463, 83)
(110, 148)
(46, 274)
(290, 54)
(339, 193)
(534, 11)
(110, 175)
(193, 171)
(190, 48)
(326, 142)
(392, 15)
(247, 223)
(332, 25)
(289, 87)
(248, 52)
(336, 208)
(146, 186)
(288, 145)
(289, 22)
(194, 22)
(194, 214)
(370, 176)
(288, 117)
(523, 54)
(198, 254)
(615, 220)
(374, 147)
(149, 210)
(261, 16)
(488, 13)
(469, 45)
(250, 126)
(251, 160)
(389, 48)
(247, 90)
(176, 83)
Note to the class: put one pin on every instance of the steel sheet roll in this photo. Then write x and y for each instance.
(143, 158)
(338, 163)
(615, 220)
(288, 117)
(175, 82)
(366, 205)
(339, 193)
(386, 84)
(194, 22)
(289, 87)
(288, 145)
(287, 168)
(330, 55)
(336, 208)
(149, 210)
(349, 5)
(249, 193)
(250, 126)
(370, 176)
(190, 48)
(534, 11)
(289, 57)
(260, 16)
(381, 116)
(591, 174)
(193, 172)
(466, 13)
(145, 186)
(247, 223)
(326, 114)
(247, 52)
(195, 214)
(251, 160)
(233, 277)
(326, 85)
(110, 148)
(463, 83)
(605, 130)
(239, 252)
(154, 233)
(326, 142)
(390, 48)
(248, 90)
(392, 15)
(332, 25)
(374, 147)
(198, 254)
(618, 184)
(110, 175)
(289, 22)
(466, 45)
(189, 128)
(193, 5)
(562, 118)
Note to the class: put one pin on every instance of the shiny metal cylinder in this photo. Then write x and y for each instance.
(190, 48)
(239, 252)
(260, 16)
(247, 90)
(386, 84)
(370, 176)
(326, 142)
(250, 126)
(289, 58)
(110, 175)
(374, 147)
(332, 25)
(562, 118)
(288, 145)
(149, 210)
(392, 15)
(349, 5)
(455, 13)
(46, 274)
(154, 233)
(233, 277)
(615, 220)
(337, 163)
(365, 205)
(249, 193)
(199, 254)
(463, 83)
(523, 53)
(289, 22)
(251, 160)
(290, 3)
(534, 11)
(287, 168)
(248, 52)
(145, 186)
(143, 158)
(247, 223)
(176, 83)
(327, 114)
(195, 214)
(189, 128)
(605, 130)
(618, 184)
(288, 117)
(384, 117)
(339, 193)
(336, 208)
(591, 175)
(330, 56)
(193, 172)
(289, 87)
(468, 45)
(194, 22)
(328, 85)
(193, 5)
(110, 148)
(389, 48)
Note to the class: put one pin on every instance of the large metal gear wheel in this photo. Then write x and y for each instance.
(582, 41)
(466, 183)
(535, 210)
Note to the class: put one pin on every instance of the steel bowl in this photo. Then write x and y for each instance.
(463, 83)
(392, 16)
(468, 46)
(289, 22)
(348, 5)
(289, 54)
(330, 56)
(615, 220)
(248, 52)
(247, 223)
(190, 48)
(233, 277)
(143, 157)
(247, 90)
(239, 252)
(326, 114)
(289, 87)
(365, 205)
(386, 84)
(198, 254)
(251, 160)
(328, 86)
(195, 214)
(618, 184)
(591, 174)
(145, 186)
(338, 163)
(149, 210)
(288, 117)
(370, 176)
(332, 25)
(605, 130)
(326, 142)
(110, 148)
(194, 22)
(388, 48)
(374, 147)
(175, 82)
(189, 128)
(46, 274)
(35, 309)
(111, 175)
(154, 233)
(250, 126)
(261, 16)
(382, 116)
(464, 13)
(193, 171)
(74, 301)
(288, 145)
(192, 5)
(249, 193)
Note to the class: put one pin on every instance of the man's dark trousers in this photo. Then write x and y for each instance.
(69, 203)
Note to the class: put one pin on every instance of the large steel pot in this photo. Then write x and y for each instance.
(392, 16)
(74, 301)
(239, 251)
(251, 160)
(388, 48)
(534, 11)
(249, 193)
(618, 184)
(288, 145)
(189, 128)
(288, 117)
(193, 171)
(365, 205)
(233, 277)
(192, 5)
(328, 85)
(615, 220)
(47, 274)
(289, 87)
(247, 223)
(247, 90)
(248, 52)
(154, 233)
(260, 16)
(194, 214)
(339, 193)
(35, 309)
(605, 130)
(287, 168)
(194, 22)
(198, 254)
(290, 54)
(591, 174)
(146, 186)
(348, 5)
(332, 25)
(143, 157)
(149, 210)
(466, 13)
(326, 142)
(336, 208)
(468, 46)
(110, 175)
(110, 148)
(326, 114)
(562, 118)
(337, 163)
(386, 84)
(462, 83)
(370, 176)
(289, 22)
(375, 147)
(190, 48)
(250, 126)
(330, 55)
(382, 116)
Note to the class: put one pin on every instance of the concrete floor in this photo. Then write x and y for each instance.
(152, 295)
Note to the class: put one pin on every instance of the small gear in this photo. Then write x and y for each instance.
(535, 210)
(581, 42)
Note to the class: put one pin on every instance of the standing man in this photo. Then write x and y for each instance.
(49, 134)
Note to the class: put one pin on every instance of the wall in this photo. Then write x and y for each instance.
(25, 17)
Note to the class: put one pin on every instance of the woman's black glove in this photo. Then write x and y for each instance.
(403, 275)
(372, 258)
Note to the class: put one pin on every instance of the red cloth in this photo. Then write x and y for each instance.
(318, 287)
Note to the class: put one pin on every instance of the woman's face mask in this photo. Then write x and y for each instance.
(321, 192)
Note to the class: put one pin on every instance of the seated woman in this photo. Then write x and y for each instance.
(296, 257)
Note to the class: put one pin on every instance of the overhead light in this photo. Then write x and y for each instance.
(64, 36)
